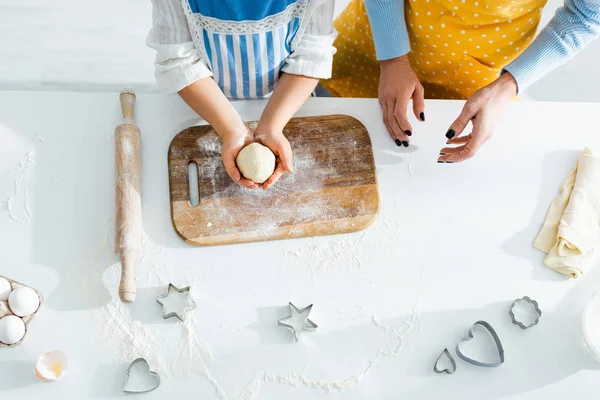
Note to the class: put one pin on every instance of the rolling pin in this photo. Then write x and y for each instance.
(128, 215)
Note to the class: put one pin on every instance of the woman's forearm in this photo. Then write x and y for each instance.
(206, 98)
(388, 27)
(574, 26)
(289, 95)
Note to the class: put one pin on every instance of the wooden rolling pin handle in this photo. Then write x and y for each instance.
(127, 98)
(127, 288)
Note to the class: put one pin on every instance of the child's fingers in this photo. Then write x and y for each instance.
(231, 167)
(234, 173)
(248, 183)
(286, 156)
(278, 173)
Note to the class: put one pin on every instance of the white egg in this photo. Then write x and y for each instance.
(51, 366)
(5, 289)
(23, 301)
(12, 329)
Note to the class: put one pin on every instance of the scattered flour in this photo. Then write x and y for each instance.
(132, 339)
(409, 166)
(27, 163)
(359, 254)
(8, 206)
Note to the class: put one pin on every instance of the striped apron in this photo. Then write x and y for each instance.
(246, 41)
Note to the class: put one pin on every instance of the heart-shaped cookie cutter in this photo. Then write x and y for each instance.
(497, 341)
(446, 370)
(152, 373)
(528, 300)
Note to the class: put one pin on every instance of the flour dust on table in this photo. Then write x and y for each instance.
(22, 213)
(191, 353)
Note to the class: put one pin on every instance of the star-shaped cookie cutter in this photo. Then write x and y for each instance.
(307, 326)
(191, 304)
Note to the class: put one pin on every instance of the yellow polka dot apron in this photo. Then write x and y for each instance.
(457, 46)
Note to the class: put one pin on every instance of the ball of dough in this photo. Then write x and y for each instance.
(256, 162)
(23, 301)
(5, 289)
(12, 329)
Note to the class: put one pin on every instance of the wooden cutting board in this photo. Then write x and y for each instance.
(333, 188)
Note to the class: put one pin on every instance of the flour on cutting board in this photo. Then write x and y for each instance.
(27, 163)
(278, 196)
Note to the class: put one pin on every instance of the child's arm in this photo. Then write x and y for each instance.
(182, 67)
(311, 60)
(289, 95)
(206, 98)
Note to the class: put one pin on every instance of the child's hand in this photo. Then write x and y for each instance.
(232, 144)
(280, 146)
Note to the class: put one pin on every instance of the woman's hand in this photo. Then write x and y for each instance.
(483, 109)
(232, 144)
(279, 145)
(398, 83)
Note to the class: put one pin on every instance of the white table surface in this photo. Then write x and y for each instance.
(452, 245)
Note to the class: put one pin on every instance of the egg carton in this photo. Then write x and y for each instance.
(5, 309)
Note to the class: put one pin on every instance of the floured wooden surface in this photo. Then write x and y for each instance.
(333, 188)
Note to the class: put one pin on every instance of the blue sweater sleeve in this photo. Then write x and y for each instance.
(573, 26)
(388, 27)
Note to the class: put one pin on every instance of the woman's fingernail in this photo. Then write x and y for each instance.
(449, 162)
(405, 143)
(408, 133)
(422, 116)
(450, 134)
(398, 142)
(442, 154)
(441, 162)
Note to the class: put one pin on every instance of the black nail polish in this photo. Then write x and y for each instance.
(442, 154)
(441, 162)
(408, 133)
(450, 134)
(422, 116)
(398, 142)
(449, 162)
(405, 143)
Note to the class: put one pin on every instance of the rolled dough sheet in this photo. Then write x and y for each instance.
(571, 232)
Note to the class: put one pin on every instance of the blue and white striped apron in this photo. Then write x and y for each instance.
(246, 41)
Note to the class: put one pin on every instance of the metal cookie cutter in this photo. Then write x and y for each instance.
(152, 385)
(307, 325)
(177, 309)
(494, 335)
(527, 300)
(446, 354)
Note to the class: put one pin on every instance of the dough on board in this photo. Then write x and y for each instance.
(256, 162)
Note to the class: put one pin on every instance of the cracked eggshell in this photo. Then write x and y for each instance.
(51, 366)
(5, 289)
(12, 329)
(23, 301)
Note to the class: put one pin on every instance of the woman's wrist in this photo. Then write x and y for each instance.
(507, 84)
(394, 61)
